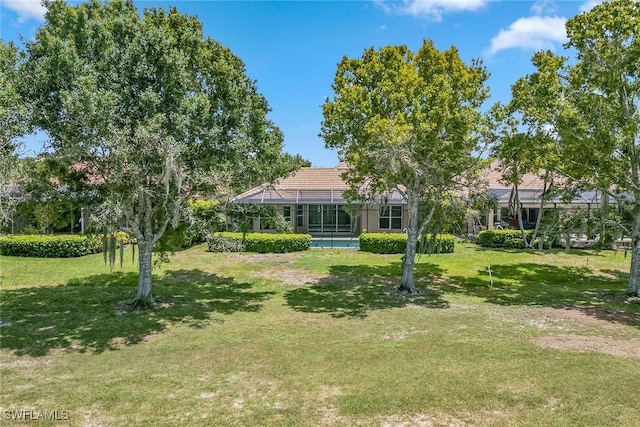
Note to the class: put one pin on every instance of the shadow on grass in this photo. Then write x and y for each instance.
(529, 284)
(535, 251)
(83, 314)
(353, 291)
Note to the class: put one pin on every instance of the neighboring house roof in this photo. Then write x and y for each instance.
(308, 185)
(503, 195)
(493, 179)
(530, 188)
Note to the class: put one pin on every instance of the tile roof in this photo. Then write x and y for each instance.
(306, 185)
(493, 179)
(311, 185)
(530, 188)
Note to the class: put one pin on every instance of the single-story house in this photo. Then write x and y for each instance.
(312, 201)
(530, 191)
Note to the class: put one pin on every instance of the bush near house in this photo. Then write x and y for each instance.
(46, 246)
(257, 242)
(58, 246)
(506, 239)
(122, 237)
(396, 243)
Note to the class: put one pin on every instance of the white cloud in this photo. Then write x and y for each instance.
(432, 9)
(544, 7)
(589, 4)
(532, 33)
(26, 9)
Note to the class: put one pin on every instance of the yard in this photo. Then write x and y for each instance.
(320, 338)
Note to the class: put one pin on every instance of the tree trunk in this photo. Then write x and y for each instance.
(546, 188)
(634, 275)
(519, 216)
(144, 298)
(406, 283)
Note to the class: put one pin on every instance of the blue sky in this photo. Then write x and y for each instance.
(291, 48)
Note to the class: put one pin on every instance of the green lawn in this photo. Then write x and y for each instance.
(320, 338)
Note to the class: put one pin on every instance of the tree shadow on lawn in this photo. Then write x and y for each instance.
(535, 251)
(353, 291)
(83, 314)
(601, 296)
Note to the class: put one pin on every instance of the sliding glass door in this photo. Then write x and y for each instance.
(328, 219)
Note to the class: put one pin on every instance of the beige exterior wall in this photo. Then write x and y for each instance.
(369, 219)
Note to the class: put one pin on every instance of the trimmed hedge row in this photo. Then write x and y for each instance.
(122, 237)
(506, 239)
(396, 243)
(44, 246)
(258, 242)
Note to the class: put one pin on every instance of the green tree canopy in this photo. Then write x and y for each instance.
(600, 130)
(406, 121)
(13, 124)
(523, 142)
(152, 110)
(591, 106)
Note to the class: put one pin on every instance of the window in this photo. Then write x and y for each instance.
(529, 217)
(271, 220)
(315, 218)
(328, 219)
(300, 216)
(390, 218)
(286, 213)
(343, 220)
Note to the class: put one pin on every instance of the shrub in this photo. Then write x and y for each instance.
(206, 216)
(442, 244)
(45, 246)
(396, 243)
(122, 237)
(174, 239)
(257, 242)
(507, 239)
(221, 243)
(383, 243)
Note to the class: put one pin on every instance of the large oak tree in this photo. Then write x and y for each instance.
(150, 109)
(591, 105)
(405, 121)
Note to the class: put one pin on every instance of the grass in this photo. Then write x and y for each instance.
(320, 338)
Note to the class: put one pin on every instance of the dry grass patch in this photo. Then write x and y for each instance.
(605, 345)
(327, 410)
(421, 420)
(291, 277)
(547, 317)
(26, 363)
(570, 318)
(257, 259)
